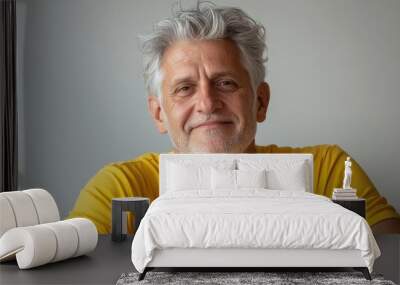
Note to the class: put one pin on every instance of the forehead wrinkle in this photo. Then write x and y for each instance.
(186, 53)
(221, 62)
(189, 60)
(211, 68)
(187, 74)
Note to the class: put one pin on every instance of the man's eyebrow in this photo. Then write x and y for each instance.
(215, 75)
(178, 80)
(223, 73)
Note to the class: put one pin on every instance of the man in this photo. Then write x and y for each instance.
(204, 71)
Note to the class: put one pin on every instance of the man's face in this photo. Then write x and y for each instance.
(208, 104)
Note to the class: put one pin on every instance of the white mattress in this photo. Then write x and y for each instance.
(252, 218)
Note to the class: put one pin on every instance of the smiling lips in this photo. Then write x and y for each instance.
(212, 124)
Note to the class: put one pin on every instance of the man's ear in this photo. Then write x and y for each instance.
(262, 101)
(154, 107)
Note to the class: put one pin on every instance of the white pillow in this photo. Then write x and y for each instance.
(251, 178)
(223, 179)
(236, 179)
(281, 174)
(182, 177)
(186, 175)
(288, 179)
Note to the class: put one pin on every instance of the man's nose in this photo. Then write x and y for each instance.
(207, 99)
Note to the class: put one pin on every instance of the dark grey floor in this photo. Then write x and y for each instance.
(102, 266)
(389, 262)
(110, 259)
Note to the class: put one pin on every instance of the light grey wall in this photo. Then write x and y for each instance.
(334, 72)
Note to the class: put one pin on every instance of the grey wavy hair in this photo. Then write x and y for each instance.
(205, 22)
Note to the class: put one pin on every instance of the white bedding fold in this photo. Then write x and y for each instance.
(251, 218)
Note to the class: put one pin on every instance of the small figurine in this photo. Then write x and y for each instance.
(347, 174)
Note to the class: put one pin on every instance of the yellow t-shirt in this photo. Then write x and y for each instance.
(139, 177)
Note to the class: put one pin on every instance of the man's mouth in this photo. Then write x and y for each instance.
(208, 124)
(213, 124)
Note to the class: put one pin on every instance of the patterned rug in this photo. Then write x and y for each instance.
(230, 278)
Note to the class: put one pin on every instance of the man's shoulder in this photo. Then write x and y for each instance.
(148, 160)
(320, 150)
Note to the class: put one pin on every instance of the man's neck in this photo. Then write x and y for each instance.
(250, 149)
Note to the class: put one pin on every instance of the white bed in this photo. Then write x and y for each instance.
(224, 216)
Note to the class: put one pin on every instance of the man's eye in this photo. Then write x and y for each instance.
(227, 85)
(183, 90)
